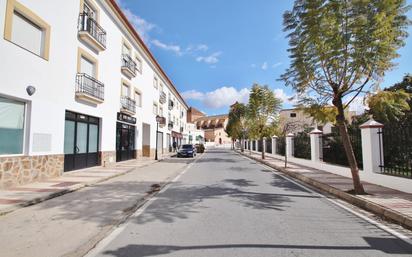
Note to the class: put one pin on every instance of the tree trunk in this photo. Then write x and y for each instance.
(350, 155)
(242, 145)
(263, 152)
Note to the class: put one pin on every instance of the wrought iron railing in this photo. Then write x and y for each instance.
(301, 145)
(162, 97)
(333, 150)
(260, 145)
(127, 62)
(89, 25)
(171, 105)
(269, 145)
(128, 103)
(397, 150)
(88, 85)
(281, 146)
(170, 125)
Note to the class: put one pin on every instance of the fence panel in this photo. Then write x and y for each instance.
(333, 151)
(260, 145)
(301, 146)
(397, 150)
(269, 145)
(254, 145)
(281, 146)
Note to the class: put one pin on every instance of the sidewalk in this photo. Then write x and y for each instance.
(72, 224)
(385, 202)
(20, 196)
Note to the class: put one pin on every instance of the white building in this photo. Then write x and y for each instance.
(196, 136)
(79, 88)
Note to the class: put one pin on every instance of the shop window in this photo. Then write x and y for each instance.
(12, 115)
(293, 115)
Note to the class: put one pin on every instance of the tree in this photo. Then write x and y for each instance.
(338, 49)
(237, 125)
(394, 104)
(263, 110)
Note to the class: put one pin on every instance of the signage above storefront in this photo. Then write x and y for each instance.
(126, 118)
(176, 135)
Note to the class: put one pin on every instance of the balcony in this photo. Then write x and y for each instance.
(162, 97)
(170, 125)
(89, 89)
(91, 32)
(181, 129)
(171, 105)
(129, 67)
(128, 105)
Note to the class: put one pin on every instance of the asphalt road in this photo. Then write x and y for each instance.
(227, 205)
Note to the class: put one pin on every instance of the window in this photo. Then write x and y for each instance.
(12, 114)
(27, 30)
(161, 87)
(293, 115)
(155, 82)
(161, 111)
(155, 108)
(139, 64)
(125, 49)
(138, 98)
(87, 67)
(125, 90)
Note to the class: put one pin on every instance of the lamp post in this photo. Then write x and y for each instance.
(158, 119)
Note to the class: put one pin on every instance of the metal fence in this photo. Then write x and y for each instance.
(281, 146)
(334, 152)
(269, 145)
(397, 150)
(260, 145)
(254, 145)
(301, 146)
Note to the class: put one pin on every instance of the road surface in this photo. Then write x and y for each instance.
(227, 205)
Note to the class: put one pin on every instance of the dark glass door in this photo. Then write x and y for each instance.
(125, 145)
(81, 141)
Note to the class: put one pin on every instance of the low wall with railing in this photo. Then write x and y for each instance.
(368, 143)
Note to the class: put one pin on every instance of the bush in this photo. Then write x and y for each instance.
(200, 148)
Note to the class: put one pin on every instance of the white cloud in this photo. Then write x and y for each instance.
(142, 26)
(280, 93)
(221, 97)
(264, 66)
(195, 48)
(193, 94)
(211, 59)
(168, 47)
(275, 65)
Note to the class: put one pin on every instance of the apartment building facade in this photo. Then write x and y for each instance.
(79, 88)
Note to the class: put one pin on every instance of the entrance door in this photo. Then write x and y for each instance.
(125, 137)
(146, 140)
(81, 141)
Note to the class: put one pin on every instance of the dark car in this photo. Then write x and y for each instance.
(186, 150)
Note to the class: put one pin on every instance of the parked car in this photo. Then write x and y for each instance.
(186, 150)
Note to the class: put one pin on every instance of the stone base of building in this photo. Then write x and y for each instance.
(20, 170)
(108, 158)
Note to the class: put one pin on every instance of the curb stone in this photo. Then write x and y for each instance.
(377, 209)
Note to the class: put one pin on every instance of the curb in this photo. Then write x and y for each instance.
(65, 191)
(377, 209)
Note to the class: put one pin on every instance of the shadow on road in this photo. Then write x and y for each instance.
(385, 245)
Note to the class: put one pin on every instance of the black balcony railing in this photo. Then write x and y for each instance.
(170, 125)
(87, 24)
(181, 129)
(86, 84)
(128, 103)
(127, 62)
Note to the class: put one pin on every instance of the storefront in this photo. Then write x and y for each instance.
(125, 137)
(81, 141)
(177, 137)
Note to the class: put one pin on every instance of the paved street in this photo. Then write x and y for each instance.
(226, 205)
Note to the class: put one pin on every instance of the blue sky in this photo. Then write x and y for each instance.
(214, 50)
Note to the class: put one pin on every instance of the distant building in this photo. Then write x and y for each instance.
(212, 126)
(303, 120)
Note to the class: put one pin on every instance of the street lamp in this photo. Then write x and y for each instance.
(158, 120)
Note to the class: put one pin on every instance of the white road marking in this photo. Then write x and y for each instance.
(371, 221)
(117, 231)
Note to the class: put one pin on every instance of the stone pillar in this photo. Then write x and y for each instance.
(372, 146)
(274, 138)
(315, 137)
(289, 145)
(264, 145)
